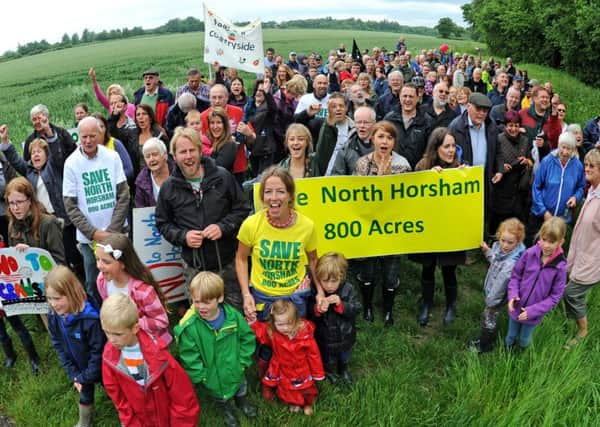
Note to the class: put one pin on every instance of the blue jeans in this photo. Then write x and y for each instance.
(91, 271)
(521, 330)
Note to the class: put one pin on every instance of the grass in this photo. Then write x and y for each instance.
(405, 375)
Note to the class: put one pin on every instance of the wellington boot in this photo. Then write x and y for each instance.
(9, 351)
(388, 305)
(228, 410)
(248, 409)
(344, 372)
(85, 416)
(423, 317)
(367, 289)
(34, 359)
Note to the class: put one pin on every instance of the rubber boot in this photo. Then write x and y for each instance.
(228, 410)
(34, 359)
(427, 291)
(367, 289)
(344, 372)
(423, 317)
(9, 351)
(388, 306)
(248, 409)
(487, 340)
(450, 288)
(85, 415)
(330, 373)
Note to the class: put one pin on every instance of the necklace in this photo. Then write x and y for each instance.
(285, 224)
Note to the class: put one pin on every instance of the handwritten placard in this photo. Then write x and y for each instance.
(22, 280)
(162, 258)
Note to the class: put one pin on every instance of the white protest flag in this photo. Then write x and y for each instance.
(232, 46)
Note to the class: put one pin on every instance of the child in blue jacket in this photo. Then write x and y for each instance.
(76, 335)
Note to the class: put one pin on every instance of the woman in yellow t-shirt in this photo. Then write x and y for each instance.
(283, 245)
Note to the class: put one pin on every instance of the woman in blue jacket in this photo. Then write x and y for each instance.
(557, 187)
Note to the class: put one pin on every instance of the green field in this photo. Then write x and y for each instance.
(405, 375)
(59, 79)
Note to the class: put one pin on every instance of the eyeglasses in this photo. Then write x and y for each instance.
(17, 203)
(363, 122)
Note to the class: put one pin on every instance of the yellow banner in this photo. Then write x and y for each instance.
(362, 216)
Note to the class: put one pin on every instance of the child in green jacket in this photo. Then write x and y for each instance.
(216, 345)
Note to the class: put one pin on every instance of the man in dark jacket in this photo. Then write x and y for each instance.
(591, 133)
(177, 112)
(513, 102)
(155, 95)
(413, 127)
(476, 134)
(358, 142)
(476, 84)
(440, 112)
(498, 94)
(200, 208)
(59, 140)
(390, 100)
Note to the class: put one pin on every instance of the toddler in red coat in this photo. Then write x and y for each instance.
(296, 363)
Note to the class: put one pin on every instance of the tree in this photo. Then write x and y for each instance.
(85, 36)
(445, 27)
(66, 40)
(75, 39)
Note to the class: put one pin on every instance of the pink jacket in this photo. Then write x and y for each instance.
(153, 317)
(584, 252)
(102, 99)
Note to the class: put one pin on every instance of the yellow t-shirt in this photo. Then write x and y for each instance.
(279, 256)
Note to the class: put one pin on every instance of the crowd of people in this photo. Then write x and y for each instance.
(259, 290)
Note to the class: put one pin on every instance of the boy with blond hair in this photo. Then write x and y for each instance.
(146, 384)
(216, 346)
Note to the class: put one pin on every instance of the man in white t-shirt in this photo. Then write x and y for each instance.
(311, 110)
(96, 195)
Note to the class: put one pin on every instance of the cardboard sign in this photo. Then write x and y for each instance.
(162, 258)
(22, 280)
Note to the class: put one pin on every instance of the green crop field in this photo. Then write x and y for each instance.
(405, 375)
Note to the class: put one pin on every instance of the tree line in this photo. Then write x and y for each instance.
(191, 24)
(559, 33)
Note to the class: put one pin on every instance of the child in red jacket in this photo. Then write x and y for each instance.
(146, 384)
(296, 362)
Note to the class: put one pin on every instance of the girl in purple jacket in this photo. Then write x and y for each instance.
(537, 283)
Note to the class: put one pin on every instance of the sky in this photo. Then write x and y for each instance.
(30, 20)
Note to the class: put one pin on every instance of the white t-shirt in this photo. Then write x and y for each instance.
(112, 289)
(310, 99)
(94, 182)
